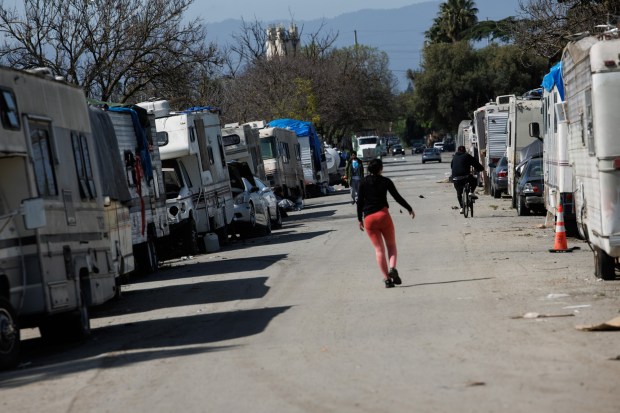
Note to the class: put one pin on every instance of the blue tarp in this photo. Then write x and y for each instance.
(554, 78)
(141, 141)
(302, 128)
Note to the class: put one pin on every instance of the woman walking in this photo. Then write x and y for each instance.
(373, 215)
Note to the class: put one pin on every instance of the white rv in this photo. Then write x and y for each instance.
(558, 172)
(242, 144)
(522, 112)
(55, 258)
(197, 185)
(281, 154)
(495, 124)
(134, 133)
(591, 72)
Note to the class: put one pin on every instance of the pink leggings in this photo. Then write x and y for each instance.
(380, 229)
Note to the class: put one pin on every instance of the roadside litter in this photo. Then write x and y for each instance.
(611, 325)
(538, 315)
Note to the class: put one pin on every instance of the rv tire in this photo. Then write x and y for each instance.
(604, 265)
(191, 238)
(9, 335)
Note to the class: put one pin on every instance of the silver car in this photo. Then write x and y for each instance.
(251, 210)
(272, 202)
(431, 155)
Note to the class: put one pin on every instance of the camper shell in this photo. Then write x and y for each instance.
(281, 155)
(55, 255)
(312, 155)
(198, 194)
(523, 112)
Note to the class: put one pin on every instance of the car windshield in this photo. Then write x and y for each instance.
(503, 162)
(397, 146)
(429, 151)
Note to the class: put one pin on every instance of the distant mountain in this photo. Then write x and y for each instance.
(398, 32)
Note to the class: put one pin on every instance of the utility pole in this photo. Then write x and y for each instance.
(355, 34)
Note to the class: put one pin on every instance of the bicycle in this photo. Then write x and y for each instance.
(468, 202)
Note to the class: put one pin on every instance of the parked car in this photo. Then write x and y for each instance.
(530, 187)
(398, 149)
(431, 155)
(499, 177)
(272, 203)
(251, 211)
(418, 148)
(438, 145)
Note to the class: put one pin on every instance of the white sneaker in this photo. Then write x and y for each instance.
(461, 211)
(473, 196)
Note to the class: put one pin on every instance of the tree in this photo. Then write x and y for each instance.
(455, 17)
(546, 26)
(455, 79)
(114, 49)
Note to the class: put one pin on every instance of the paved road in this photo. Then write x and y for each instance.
(300, 322)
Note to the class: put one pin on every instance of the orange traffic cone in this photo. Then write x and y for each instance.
(560, 233)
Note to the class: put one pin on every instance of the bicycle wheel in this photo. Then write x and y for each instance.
(471, 207)
(465, 201)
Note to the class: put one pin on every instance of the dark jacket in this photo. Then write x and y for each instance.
(461, 164)
(372, 196)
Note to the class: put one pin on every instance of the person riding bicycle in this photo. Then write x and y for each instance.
(461, 165)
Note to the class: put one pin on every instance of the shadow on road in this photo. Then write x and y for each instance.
(131, 343)
(149, 299)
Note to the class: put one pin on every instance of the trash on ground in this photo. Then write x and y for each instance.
(570, 307)
(611, 325)
(538, 315)
(552, 296)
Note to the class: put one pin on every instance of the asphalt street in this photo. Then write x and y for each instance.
(300, 321)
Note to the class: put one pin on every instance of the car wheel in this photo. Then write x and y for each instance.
(423, 161)
(267, 227)
(604, 265)
(497, 193)
(278, 221)
(9, 335)
(252, 222)
(522, 209)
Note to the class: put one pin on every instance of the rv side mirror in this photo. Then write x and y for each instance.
(534, 130)
(34, 213)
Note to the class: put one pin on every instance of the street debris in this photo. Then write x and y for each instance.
(611, 325)
(554, 296)
(538, 315)
(476, 383)
(420, 196)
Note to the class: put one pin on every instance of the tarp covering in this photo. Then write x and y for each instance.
(532, 150)
(302, 128)
(113, 180)
(554, 78)
(140, 127)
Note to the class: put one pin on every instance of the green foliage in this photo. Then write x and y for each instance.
(455, 79)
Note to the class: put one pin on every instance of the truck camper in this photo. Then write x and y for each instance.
(591, 74)
(281, 154)
(522, 113)
(313, 161)
(196, 180)
(558, 171)
(242, 144)
(55, 255)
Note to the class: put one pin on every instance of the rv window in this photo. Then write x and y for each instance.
(267, 148)
(298, 152)
(230, 140)
(42, 158)
(83, 166)
(285, 152)
(162, 138)
(8, 108)
(589, 123)
(211, 160)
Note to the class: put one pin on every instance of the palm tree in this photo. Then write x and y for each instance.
(454, 19)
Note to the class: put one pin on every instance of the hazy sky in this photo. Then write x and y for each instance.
(217, 11)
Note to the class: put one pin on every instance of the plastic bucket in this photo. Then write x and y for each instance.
(211, 241)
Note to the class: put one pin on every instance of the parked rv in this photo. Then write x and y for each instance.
(591, 76)
(522, 113)
(312, 155)
(197, 186)
(242, 144)
(559, 182)
(54, 247)
(134, 132)
(281, 154)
